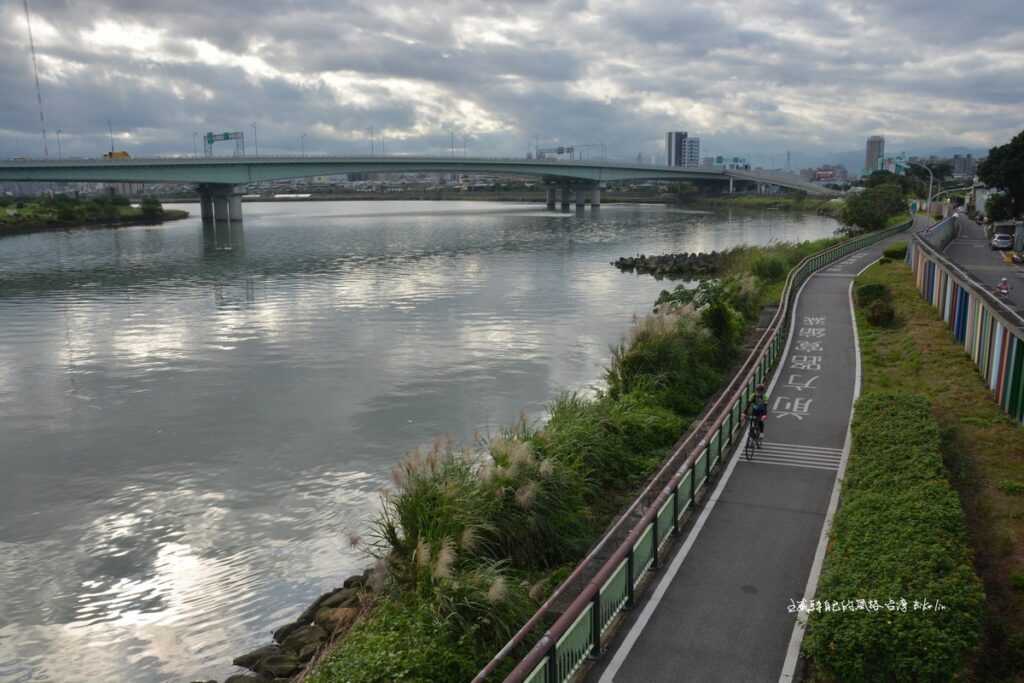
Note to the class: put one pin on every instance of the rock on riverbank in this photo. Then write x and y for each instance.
(297, 643)
(674, 266)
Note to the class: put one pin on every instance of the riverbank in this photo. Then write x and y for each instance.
(793, 202)
(472, 540)
(980, 445)
(823, 206)
(48, 214)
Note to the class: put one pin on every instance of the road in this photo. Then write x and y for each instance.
(970, 250)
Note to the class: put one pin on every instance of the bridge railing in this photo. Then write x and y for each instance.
(671, 495)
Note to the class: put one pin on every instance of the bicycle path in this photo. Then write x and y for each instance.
(721, 609)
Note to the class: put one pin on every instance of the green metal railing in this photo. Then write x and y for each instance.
(578, 632)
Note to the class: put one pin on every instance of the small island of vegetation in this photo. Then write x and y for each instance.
(21, 215)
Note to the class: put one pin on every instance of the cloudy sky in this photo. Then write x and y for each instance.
(750, 77)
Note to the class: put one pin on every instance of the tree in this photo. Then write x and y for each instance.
(880, 178)
(1004, 169)
(152, 209)
(872, 208)
(999, 207)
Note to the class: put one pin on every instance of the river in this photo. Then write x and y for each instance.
(195, 426)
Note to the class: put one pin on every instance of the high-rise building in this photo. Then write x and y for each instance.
(875, 151)
(682, 150)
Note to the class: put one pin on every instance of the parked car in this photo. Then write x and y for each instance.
(1001, 241)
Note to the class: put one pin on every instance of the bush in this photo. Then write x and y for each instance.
(866, 294)
(152, 209)
(883, 261)
(769, 268)
(899, 534)
(611, 442)
(897, 251)
(880, 313)
(404, 641)
(673, 361)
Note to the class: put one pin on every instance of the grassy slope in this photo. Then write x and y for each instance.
(983, 449)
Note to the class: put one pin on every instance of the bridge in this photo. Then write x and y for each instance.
(217, 178)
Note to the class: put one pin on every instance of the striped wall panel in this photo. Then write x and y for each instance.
(996, 349)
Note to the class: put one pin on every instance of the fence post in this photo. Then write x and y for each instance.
(596, 625)
(675, 509)
(654, 537)
(552, 676)
(629, 579)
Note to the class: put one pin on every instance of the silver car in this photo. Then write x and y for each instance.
(1002, 241)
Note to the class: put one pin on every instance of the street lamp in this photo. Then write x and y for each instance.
(60, 154)
(255, 140)
(931, 179)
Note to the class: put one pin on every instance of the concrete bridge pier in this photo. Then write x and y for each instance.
(565, 191)
(581, 198)
(550, 189)
(220, 203)
(206, 206)
(595, 197)
(235, 208)
(221, 209)
(732, 188)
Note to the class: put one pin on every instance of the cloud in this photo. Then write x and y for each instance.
(748, 76)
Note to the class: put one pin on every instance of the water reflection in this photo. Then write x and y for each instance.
(221, 238)
(196, 418)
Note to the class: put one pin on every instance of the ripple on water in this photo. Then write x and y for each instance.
(193, 435)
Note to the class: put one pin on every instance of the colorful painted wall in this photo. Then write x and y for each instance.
(975, 321)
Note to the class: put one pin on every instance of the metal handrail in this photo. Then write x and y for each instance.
(732, 393)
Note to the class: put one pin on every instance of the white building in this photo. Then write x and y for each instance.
(682, 150)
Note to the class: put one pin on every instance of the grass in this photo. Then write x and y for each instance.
(982, 447)
(794, 201)
(898, 538)
(23, 215)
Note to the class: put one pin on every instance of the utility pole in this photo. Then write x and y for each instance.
(60, 154)
(35, 71)
(371, 141)
(255, 140)
(302, 142)
(452, 143)
(111, 132)
(195, 149)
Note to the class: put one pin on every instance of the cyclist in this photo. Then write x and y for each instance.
(757, 409)
(1003, 288)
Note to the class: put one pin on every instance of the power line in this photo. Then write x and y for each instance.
(35, 71)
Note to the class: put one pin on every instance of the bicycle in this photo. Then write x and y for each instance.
(753, 438)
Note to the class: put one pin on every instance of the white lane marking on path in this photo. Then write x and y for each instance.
(622, 652)
(797, 637)
(779, 463)
(801, 447)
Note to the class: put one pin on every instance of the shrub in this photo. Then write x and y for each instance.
(883, 261)
(151, 208)
(770, 268)
(899, 534)
(673, 361)
(880, 313)
(897, 250)
(403, 640)
(611, 442)
(865, 294)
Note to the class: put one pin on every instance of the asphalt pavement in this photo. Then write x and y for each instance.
(722, 608)
(971, 251)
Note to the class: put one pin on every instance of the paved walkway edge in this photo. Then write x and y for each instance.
(789, 667)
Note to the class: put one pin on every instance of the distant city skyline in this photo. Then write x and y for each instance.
(752, 80)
